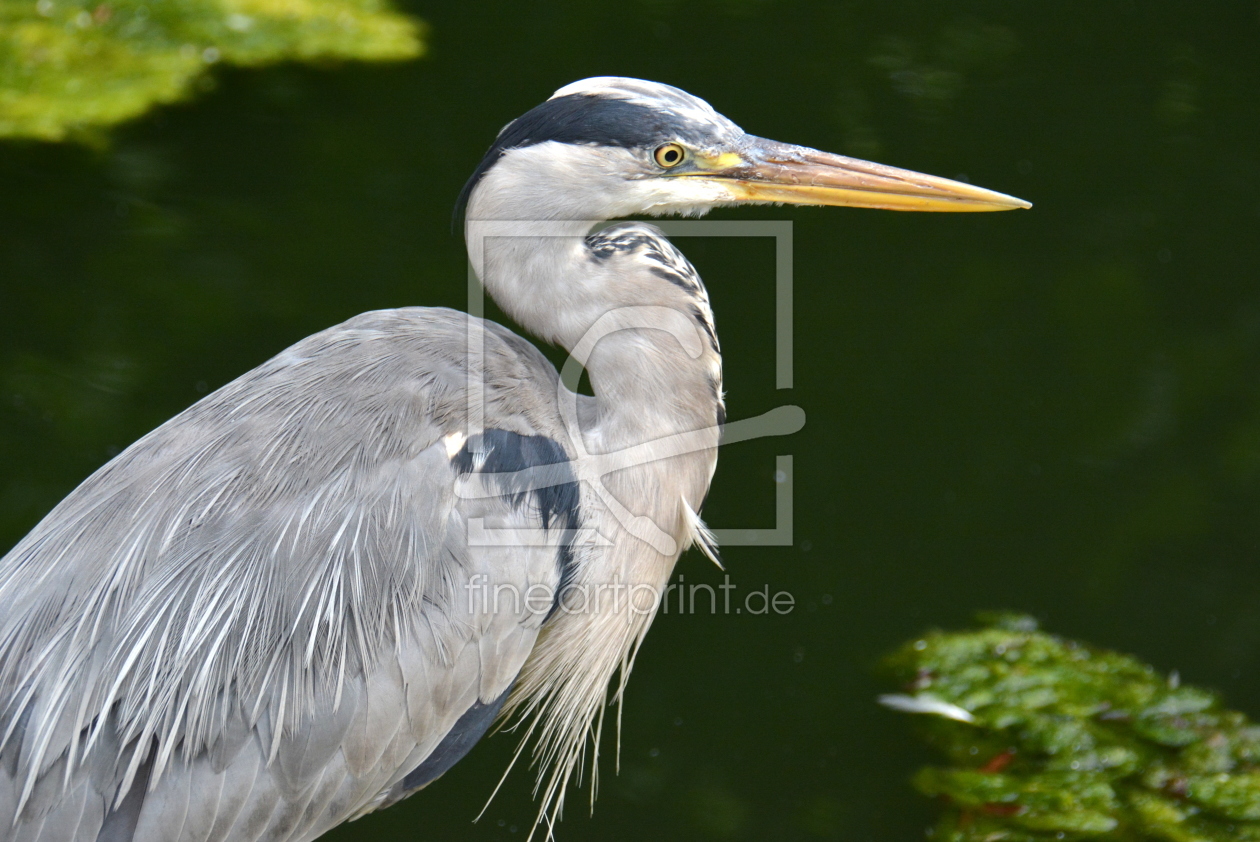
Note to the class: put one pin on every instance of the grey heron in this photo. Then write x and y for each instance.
(308, 595)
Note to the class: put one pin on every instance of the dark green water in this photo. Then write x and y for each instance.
(1055, 411)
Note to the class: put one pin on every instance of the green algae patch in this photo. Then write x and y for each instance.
(70, 69)
(1051, 739)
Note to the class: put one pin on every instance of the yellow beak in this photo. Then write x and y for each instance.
(769, 171)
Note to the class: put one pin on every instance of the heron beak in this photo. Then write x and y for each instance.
(769, 171)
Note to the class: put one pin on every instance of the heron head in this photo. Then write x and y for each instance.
(610, 147)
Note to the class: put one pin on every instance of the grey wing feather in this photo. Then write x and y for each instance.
(253, 623)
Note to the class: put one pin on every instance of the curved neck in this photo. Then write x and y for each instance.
(646, 340)
(533, 270)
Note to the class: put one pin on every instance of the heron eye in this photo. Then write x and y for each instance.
(670, 155)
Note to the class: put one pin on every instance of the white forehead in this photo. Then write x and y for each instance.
(650, 94)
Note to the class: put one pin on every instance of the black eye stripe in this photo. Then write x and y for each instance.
(587, 118)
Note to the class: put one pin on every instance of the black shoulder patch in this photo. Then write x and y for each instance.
(505, 454)
(464, 734)
(583, 118)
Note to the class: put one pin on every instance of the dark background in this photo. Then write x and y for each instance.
(1054, 411)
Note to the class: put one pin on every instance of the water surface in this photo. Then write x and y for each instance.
(1054, 411)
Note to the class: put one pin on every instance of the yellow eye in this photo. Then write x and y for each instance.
(670, 155)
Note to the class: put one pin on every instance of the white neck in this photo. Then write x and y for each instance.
(653, 369)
